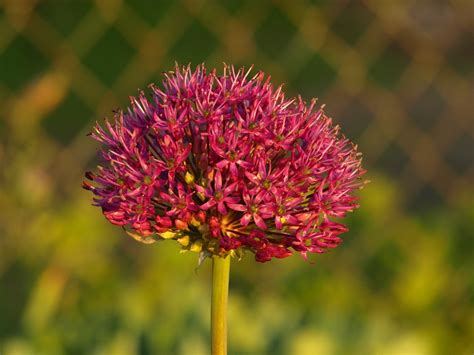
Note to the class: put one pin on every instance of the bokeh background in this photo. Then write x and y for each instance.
(396, 75)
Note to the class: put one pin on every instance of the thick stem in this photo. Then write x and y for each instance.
(220, 290)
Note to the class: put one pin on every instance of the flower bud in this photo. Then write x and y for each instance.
(87, 186)
(163, 224)
(201, 216)
(180, 224)
(167, 235)
(184, 240)
(90, 175)
(196, 246)
(195, 222)
(189, 178)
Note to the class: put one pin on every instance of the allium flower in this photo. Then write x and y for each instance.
(224, 164)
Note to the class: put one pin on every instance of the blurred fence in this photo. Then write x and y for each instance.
(397, 75)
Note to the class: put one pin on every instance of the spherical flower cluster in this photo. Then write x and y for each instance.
(223, 164)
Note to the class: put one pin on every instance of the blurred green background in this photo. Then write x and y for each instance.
(397, 75)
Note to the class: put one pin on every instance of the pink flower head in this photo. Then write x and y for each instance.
(224, 164)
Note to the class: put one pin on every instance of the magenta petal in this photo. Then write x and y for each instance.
(233, 169)
(171, 212)
(237, 207)
(200, 189)
(165, 196)
(218, 181)
(265, 209)
(278, 223)
(233, 200)
(222, 164)
(244, 164)
(290, 219)
(251, 177)
(258, 198)
(230, 188)
(259, 221)
(208, 205)
(245, 220)
(261, 168)
(221, 208)
(246, 197)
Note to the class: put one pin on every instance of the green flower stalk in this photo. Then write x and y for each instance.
(220, 290)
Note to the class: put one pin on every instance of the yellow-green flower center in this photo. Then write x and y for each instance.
(266, 184)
